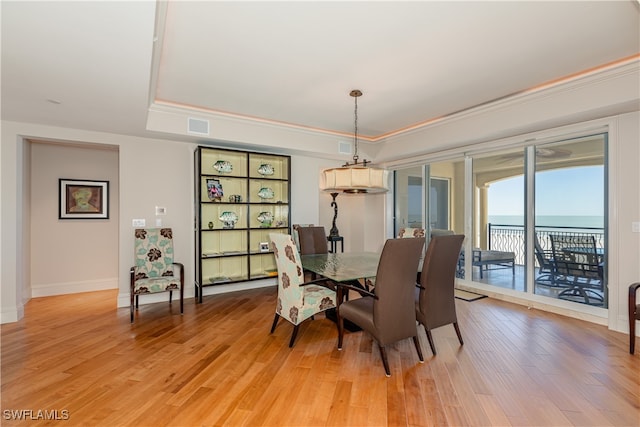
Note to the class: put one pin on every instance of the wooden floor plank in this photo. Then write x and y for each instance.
(218, 365)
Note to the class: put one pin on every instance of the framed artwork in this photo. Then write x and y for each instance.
(83, 199)
(214, 189)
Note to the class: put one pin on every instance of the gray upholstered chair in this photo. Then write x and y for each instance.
(634, 314)
(298, 299)
(388, 313)
(435, 301)
(404, 233)
(312, 240)
(154, 269)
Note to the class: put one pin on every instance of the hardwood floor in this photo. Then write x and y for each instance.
(218, 365)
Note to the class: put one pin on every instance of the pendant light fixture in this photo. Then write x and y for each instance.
(356, 177)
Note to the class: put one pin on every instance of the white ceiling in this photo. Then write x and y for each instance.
(90, 64)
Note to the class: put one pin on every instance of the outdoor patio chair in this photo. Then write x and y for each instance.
(546, 270)
(578, 265)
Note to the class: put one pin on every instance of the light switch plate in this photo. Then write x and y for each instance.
(635, 226)
(138, 222)
(160, 210)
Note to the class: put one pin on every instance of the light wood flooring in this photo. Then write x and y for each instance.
(218, 365)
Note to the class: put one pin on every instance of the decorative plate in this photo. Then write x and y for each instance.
(266, 193)
(228, 219)
(223, 166)
(265, 169)
(265, 217)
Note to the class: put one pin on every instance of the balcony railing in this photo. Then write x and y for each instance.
(510, 238)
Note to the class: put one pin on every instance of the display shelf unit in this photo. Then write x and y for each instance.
(241, 197)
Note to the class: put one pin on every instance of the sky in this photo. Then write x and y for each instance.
(571, 191)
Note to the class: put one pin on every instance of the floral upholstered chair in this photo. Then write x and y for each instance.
(411, 232)
(154, 266)
(297, 300)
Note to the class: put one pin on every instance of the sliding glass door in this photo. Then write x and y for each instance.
(534, 216)
(570, 219)
(499, 215)
(409, 202)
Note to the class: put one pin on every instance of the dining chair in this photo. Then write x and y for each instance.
(154, 269)
(312, 240)
(403, 233)
(388, 312)
(410, 232)
(634, 314)
(298, 299)
(434, 297)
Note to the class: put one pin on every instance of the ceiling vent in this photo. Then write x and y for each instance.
(344, 147)
(198, 126)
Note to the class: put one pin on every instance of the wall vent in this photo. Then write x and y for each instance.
(198, 126)
(344, 147)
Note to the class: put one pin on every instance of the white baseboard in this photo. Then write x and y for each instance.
(50, 289)
(11, 314)
(189, 291)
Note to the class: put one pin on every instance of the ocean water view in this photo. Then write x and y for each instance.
(590, 221)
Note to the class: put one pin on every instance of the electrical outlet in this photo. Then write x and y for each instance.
(138, 222)
(635, 227)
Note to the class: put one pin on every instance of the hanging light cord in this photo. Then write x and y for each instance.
(356, 93)
(355, 135)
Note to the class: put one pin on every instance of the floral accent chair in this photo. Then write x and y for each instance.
(297, 300)
(406, 232)
(154, 266)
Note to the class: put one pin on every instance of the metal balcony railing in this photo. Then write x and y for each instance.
(510, 238)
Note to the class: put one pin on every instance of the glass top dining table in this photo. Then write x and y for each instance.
(342, 267)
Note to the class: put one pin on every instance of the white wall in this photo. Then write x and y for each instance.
(157, 172)
(151, 172)
(69, 256)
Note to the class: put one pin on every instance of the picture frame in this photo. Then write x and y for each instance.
(214, 190)
(83, 199)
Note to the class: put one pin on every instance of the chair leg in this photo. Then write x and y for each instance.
(131, 305)
(632, 334)
(457, 328)
(170, 296)
(181, 299)
(632, 327)
(340, 323)
(430, 338)
(385, 362)
(418, 349)
(275, 322)
(136, 302)
(293, 335)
